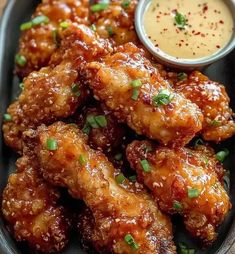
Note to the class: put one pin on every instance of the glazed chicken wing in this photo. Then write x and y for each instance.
(183, 181)
(132, 88)
(54, 92)
(126, 218)
(213, 100)
(39, 41)
(30, 208)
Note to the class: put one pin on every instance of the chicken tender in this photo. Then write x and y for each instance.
(183, 181)
(39, 41)
(127, 220)
(213, 100)
(115, 22)
(131, 87)
(54, 92)
(30, 208)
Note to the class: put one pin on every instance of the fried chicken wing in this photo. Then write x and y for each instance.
(116, 22)
(30, 208)
(54, 92)
(183, 181)
(132, 88)
(213, 100)
(38, 42)
(121, 211)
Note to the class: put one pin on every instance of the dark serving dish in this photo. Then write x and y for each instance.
(19, 11)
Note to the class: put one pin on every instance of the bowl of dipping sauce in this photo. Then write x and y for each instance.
(186, 34)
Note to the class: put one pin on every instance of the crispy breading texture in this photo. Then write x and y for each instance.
(118, 209)
(54, 92)
(212, 99)
(116, 22)
(172, 122)
(184, 181)
(30, 208)
(38, 43)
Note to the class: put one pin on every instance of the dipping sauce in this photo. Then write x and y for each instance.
(188, 28)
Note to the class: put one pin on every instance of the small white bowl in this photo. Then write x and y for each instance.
(171, 61)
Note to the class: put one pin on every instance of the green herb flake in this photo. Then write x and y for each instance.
(82, 159)
(55, 36)
(64, 25)
(51, 144)
(135, 94)
(99, 7)
(145, 166)
(215, 123)
(126, 3)
(109, 29)
(93, 27)
(164, 97)
(183, 249)
(136, 83)
(221, 155)
(101, 121)
(20, 60)
(7, 118)
(180, 20)
(120, 178)
(198, 142)
(21, 85)
(193, 193)
(131, 241)
(86, 129)
(177, 205)
(75, 89)
(182, 76)
(26, 26)
(40, 20)
(133, 178)
(92, 122)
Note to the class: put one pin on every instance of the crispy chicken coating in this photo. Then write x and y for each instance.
(30, 208)
(39, 42)
(132, 88)
(183, 181)
(212, 99)
(54, 92)
(118, 209)
(116, 22)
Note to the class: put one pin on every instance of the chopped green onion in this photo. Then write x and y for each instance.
(93, 27)
(21, 85)
(51, 144)
(183, 249)
(182, 76)
(92, 122)
(7, 118)
(164, 97)
(131, 241)
(136, 83)
(135, 94)
(126, 3)
(75, 89)
(40, 20)
(206, 160)
(86, 129)
(193, 193)
(118, 156)
(120, 178)
(180, 20)
(133, 178)
(82, 160)
(147, 148)
(26, 26)
(177, 205)
(220, 156)
(99, 7)
(20, 60)
(199, 142)
(145, 166)
(101, 121)
(54, 34)
(215, 123)
(64, 25)
(109, 29)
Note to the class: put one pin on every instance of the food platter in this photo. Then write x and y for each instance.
(223, 71)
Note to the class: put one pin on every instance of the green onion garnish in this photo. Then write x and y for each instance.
(136, 83)
(109, 29)
(92, 122)
(180, 20)
(182, 76)
(82, 160)
(26, 26)
(21, 85)
(126, 3)
(64, 25)
(101, 121)
(120, 178)
(221, 155)
(133, 178)
(131, 241)
(7, 118)
(215, 123)
(118, 156)
(55, 35)
(20, 60)
(51, 144)
(86, 129)
(135, 94)
(145, 166)
(40, 20)
(183, 249)
(193, 193)
(93, 27)
(75, 89)
(164, 97)
(99, 7)
(199, 142)
(177, 205)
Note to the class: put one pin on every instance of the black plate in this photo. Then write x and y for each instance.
(19, 11)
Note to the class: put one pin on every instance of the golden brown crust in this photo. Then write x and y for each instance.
(38, 43)
(173, 173)
(117, 209)
(172, 124)
(212, 99)
(30, 208)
